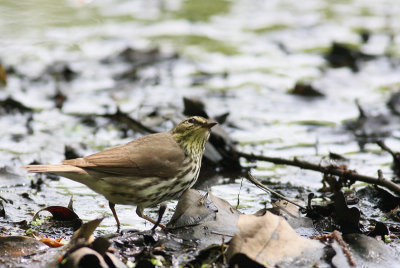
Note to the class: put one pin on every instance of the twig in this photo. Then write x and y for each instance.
(217, 233)
(386, 148)
(380, 175)
(333, 170)
(345, 248)
(262, 186)
(238, 201)
(395, 156)
(5, 200)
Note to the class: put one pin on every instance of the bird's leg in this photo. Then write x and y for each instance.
(161, 211)
(112, 207)
(139, 212)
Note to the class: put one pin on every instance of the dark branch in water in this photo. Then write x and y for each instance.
(331, 169)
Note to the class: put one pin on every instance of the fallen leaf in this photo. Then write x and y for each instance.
(53, 243)
(59, 213)
(85, 232)
(270, 240)
(204, 218)
(18, 246)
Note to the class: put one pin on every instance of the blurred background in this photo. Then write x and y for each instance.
(287, 72)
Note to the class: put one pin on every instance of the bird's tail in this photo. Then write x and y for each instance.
(54, 169)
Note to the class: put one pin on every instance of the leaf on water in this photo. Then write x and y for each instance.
(193, 207)
(19, 246)
(205, 218)
(270, 240)
(59, 213)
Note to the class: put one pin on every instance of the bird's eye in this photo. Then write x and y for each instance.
(191, 120)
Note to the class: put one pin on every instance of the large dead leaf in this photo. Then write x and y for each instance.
(206, 219)
(270, 240)
(19, 246)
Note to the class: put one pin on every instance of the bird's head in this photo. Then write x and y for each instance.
(193, 133)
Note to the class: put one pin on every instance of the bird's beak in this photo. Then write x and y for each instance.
(210, 124)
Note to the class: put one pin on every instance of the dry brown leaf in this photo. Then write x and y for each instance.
(86, 231)
(269, 240)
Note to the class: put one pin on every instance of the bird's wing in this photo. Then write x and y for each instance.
(155, 155)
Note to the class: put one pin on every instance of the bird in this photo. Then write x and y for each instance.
(144, 172)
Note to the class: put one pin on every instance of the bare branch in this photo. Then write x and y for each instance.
(262, 186)
(331, 169)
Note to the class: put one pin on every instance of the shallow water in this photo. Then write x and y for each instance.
(253, 53)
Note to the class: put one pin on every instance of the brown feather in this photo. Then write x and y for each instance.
(54, 169)
(155, 155)
(77, 162)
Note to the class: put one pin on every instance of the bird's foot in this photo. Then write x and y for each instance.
(139, 212)
(161, 211)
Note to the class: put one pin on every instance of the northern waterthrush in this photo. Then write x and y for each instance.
(143, 172)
